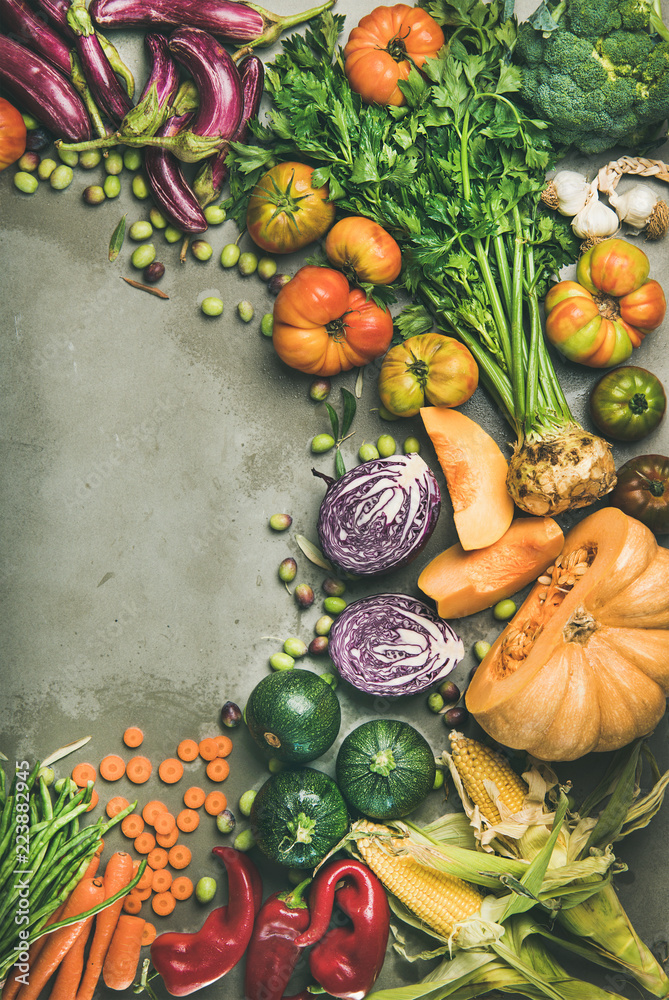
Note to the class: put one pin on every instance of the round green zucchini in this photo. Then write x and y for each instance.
(294, 715)
(385, 768)
(298, 816)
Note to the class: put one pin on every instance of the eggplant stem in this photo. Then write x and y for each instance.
(275, 25)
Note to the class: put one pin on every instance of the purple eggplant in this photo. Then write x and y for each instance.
(33, 32)
(43, 91)
(159, 91)
(212, 175)
(235, 22)
(172, 193)
(219, 86)
(103, 82)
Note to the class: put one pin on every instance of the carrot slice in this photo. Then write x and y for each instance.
(132, 825)
(145, 891)
(165, 823)
(179, 856)
(208, 748)
(144, 843)
(194, 797)
(163, 903)
(138, 770)
(132, 902)
(215, 803)
(224, 744)
(162, 880)
(170, 770)
(167, 840)
(188, 820)
(82, 774)
(188, 750)
(133, 736)
(218, 769)
(157, 858)
(145, 879)
(181, 887)
(112, 767)
(95, 798)
(116, 805)
(151, 810)
(148, 934)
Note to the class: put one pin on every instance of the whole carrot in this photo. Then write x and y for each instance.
(118, 872)
(87, 893)
(122, 959)
(71, 968)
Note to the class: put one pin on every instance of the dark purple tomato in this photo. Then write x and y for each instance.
(642, 491)
(627, 403)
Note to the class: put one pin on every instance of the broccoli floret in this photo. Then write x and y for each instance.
(600, 78)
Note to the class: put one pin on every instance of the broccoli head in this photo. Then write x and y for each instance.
(597, 71)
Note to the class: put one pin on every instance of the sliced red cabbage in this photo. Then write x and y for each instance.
(379, 515)
(392, 645)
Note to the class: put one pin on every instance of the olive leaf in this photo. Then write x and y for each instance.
(350, 406)
(334, 421)
(117, 238)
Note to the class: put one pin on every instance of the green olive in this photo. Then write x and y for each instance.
(319, 390)
(61, 177)
(279, 522)
(504, 610)
(274, 765)
(267, 325)
(334, 605)
(245, 311)
(411, 446)
(230, 254)
(205, 889)
(29, 162)
(132, 159)
(287, 571)
(323, 625)
(322, 443)
(113, 163)
(481, 649)
(367, 451)
(215, 215)
(247, 263)
(140, 187)
(266, 268)
(212, 306)
(172, 234)
(244, 841)
(295, 648)
(46, 168)
(435, 702)
(246, 801)
(201, 250)
(386, 445)
(89, 159)
(438, 781)
(386, 414)
(112, 186)
(69, 157)
(143, 256)
(158, 220)
(281, 661)
(94, 194)
(140, 230)
(25, 182)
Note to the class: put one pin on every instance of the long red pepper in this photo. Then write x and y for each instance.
(347, 960)
(187, 962)
(272, 954)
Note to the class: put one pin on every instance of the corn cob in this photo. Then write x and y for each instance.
(438, 899)
(477, 763)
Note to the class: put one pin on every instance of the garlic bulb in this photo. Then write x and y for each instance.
(595, 221)
(640, 209)
(567, 192)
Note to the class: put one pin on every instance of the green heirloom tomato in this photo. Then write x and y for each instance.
(642, 491)
(429, 368)
(286, 212)
(627, 403)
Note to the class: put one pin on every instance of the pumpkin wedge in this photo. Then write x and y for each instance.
(584, 664)
(475, 471)
(463, 583)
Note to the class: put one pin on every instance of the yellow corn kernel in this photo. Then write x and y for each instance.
(438, 899)
(476, 763)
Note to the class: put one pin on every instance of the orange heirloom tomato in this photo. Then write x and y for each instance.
(322, 327)
(599, 319)
(12, 134)
(384, 46)
(427, 369)
(285, 211)
(363, 250)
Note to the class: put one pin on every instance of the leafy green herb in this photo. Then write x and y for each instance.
(456, 177)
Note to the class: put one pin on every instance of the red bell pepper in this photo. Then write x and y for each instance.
(272, 954)
(187, 962)
(347, 960)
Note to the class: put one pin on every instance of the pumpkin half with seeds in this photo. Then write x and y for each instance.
(584, 663)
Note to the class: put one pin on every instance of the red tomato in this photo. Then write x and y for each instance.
(384, 47)
(363, 250)
(12, 134)
(642, 491)
(600, 318)
(285, 211)
(321, 327)
(427, 369)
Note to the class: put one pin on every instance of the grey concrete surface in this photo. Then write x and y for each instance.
(144, 447)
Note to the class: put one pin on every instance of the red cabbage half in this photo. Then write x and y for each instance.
(379, 515)
(392, 645)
